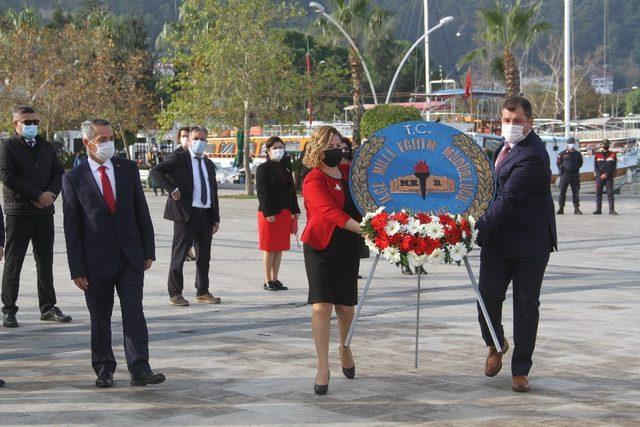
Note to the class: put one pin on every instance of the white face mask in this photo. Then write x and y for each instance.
(571, 146)
(184, 140)
(105, 150)
(276, 154)
(198, 146)
(512, 133)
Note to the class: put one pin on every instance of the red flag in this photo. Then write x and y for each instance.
(467, 84)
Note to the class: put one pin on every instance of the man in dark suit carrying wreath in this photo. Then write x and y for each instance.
(517, 233)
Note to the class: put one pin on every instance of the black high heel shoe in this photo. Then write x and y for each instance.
(321, 389)
(350, 373)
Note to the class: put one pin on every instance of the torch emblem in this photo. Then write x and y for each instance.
(421, 171)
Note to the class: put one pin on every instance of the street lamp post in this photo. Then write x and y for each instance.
(46, 82)
(444, 21)
(319, 9)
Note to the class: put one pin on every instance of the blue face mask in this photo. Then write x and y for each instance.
(29, 131)
(198, 146)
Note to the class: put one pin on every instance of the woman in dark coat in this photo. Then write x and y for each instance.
(278, 210)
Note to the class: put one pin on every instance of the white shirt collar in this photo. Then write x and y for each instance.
(95, 165)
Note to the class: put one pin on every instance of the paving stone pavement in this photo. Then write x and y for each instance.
(250, 360)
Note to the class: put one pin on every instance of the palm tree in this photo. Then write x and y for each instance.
(363, 22)
(506, 31)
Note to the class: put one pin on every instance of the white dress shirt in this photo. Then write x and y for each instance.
(93, 165)
(195, 165)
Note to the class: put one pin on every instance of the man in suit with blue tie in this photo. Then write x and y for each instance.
(190, 179)
(517, 233)
(110, 244)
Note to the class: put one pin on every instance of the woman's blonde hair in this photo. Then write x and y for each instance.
(319, 142)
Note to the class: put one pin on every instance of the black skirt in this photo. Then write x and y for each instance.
(333, 271)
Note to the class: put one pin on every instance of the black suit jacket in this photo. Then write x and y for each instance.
(275, 188)
(177, 172)
(520, 221)
(94, 236)
(28, 172)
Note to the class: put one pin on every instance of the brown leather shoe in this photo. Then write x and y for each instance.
(179, 301)
(208, 299)
(520, 384)
(494, 360)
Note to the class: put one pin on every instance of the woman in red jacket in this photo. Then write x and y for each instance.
(330, 248)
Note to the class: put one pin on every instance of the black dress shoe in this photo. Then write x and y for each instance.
(55, 315)
(9, 320)
(279, 286)
(104, 380)
(270, 286)
(321, 389)
(1, 383)
(146, 378)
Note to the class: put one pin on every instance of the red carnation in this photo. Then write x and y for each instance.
(424, 218)
(401, 217)
(447, 221)
(379, 222)
(396, 239)
(382, 242)
(453, 236)
(432, 245)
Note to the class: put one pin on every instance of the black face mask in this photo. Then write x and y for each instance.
(332, 157)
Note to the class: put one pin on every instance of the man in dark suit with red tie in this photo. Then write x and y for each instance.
(190, 179)
(517, 233)
(110, 244)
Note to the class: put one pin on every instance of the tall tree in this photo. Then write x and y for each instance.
(233, 68)
(506, 31)
(363, 22)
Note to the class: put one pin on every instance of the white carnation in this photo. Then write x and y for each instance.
(435, 230)
(412, 226)
(437, 256)
(416, 260)
(392, 254)
(457, 251)
(371, 245)
(392, 227)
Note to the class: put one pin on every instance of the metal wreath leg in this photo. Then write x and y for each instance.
(483, 308)
(418, 318)
(361, 302)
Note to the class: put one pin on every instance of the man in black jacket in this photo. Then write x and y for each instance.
(569, 163)
(32, 177)
(190, 179)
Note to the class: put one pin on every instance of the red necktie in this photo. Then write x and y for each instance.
(503, 154)
(107, 191)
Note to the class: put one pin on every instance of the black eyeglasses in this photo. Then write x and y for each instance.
(31, 122)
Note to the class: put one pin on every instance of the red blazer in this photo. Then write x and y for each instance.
(324, 199)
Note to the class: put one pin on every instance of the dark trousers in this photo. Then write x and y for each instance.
(198, 229)
(37, 229)
(600, 183)
(496, 272)
(99, 296)
(567, 180)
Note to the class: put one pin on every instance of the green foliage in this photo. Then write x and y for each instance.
(230, 61)
(384, 115)
(632, 101)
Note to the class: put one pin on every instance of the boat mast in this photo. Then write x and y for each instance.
(427, 83)
(567, 68)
